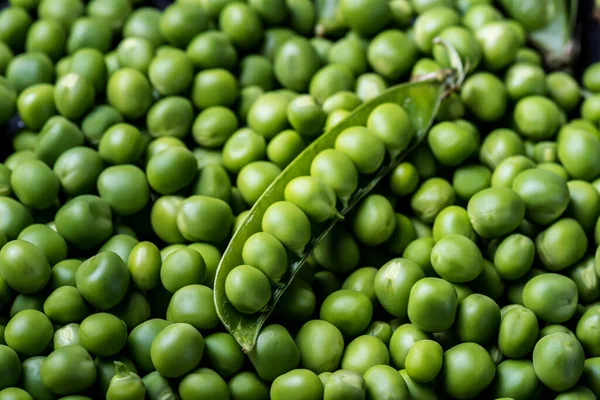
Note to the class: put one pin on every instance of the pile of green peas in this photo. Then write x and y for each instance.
(145, 136)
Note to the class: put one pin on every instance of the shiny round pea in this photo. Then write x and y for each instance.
(278, 220)
(439, 298)
(181, 268)
(337, 170)
(552, 297)
(299, 383)
(392, 54)
(495, 212)
(504, 174)
(124, 182)
(514, 256)
(254, 178)
(176, 360)
(103, 280)
(241, 24)
(550, 244)
(284, 148)
(18, 256)
(392, 124)
(78, 169)
(306, 116)
(28, 332)
(518, 332)
(35, 105)
(193, 304)
(73, 95)
(498, 145)
(65, 305)
(9, 104)
(15, 22)
(171, 72)
(393, 283)
(28, 69)
(171, 117)
(68, 370)
(275, 353)
(203, 381)
(121, 144)
(237, 289)
(374, 222)
(331, 79)
(344, 100)
(213, 126)
(467, 370)
(103, 334)
(524, 80)
(98, 121)
(321, 346)
(363, 353)
(49, 241)
(348, 310)
(295, 63)
(345, 384)
(223, 354)
(585, 331)
(248, 385)
(267, 116)
(35, 184)
(403, 338)
(565, 354)
(354, 141)
(369, 85)
(432, 196)
(163, 218)
(508, 372)
(404, 179)
(362, 280)
(66, 336)
(430, 23)
(384, 382)
(453, 220)
(241, 148)
(424, 360)
(477, 319)
(171, 170)
(575, 147)
(464, 42)
(564, 90)
(179, 23)
(265, 252)
(456, 259)
(537, 117)
(485, 96)
(129, 92)
(584, 205)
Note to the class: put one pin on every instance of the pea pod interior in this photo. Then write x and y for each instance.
(421, 100)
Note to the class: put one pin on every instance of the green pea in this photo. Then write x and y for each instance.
(18, 256)
(300, 383)
(15, 22)
(324, 354)
(268, 114)
(35, 104)
(363, 353)
(584, 332)
(124, 181)
(583, 274)
(78, 169)
(499, 145)
(437, 296)
(129, 92)
(278, 220)
(514, 256)
(171, 170)
(374, 221)
(393, 283)
(237, 285)
(175, 361)
(65, 305)
(295, 63)
(103, 280)
(68, 370)
(315, 198)
(589, 108)
(28, 69)
(348, 310)
(223, 354)
(73, 95)
(180, 23)
(162, 115)
(274, 355)
(181, 268)
(125, 384)
(345, 384)
(284, 148)
(248, 385)
(349, 51)
(193, 304)
(212, 49)
(391, 123)
(157, 386)
(363, 280)
(404, 179)
(453, 220)
(35, 184)
(163, 218)
(98, 121)
(552, 297)
(144, 22)
(564, 90)
(90, 64)
(103, 334)
(28, 332)
(495, 212)
(552, 239)
(419, 251)
(384, 382)
(257, 71)
(566, 372)
(392, 54)
(113, 12)
(432, 196)
(331, 79)
(381, 330)
(537, 117)
(46, 36)
(369, 85)
(306, 116)
(88, 32)
(485, 96)
(338, 251)
(584, 205)
(477, 319)
(459, 377)
(265, 252)
(337, 170)
(518, 332)
(456, 258)
(583, 144)
(32, 380)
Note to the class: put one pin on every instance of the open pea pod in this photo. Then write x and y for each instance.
(421, 101)
(551, 26)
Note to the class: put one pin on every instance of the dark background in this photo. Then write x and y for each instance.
(589, 53)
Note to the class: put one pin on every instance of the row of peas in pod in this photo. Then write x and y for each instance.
(144, 132)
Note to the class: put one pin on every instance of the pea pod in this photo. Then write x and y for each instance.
(421, 100)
